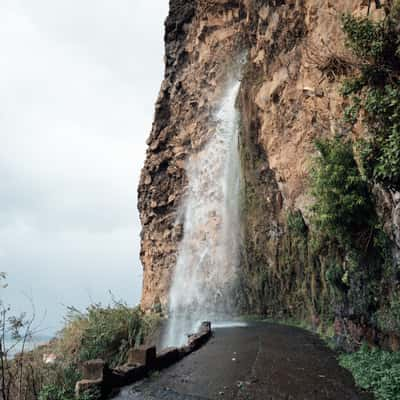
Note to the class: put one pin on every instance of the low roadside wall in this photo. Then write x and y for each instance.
(100, 381)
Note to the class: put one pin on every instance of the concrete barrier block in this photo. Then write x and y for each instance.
(185, 350)
(205, 327)
(126, 375)
(100, 380)
(94, 370)
(142, 356)
(167, 357)
(197, 340)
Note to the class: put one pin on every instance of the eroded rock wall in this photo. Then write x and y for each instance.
(288, 98)
(202, 40)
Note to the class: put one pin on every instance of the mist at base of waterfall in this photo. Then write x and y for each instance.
(205, 274)
(228, 324)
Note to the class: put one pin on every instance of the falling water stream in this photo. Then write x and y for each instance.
(206, 268)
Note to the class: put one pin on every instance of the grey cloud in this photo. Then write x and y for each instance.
(78, 82)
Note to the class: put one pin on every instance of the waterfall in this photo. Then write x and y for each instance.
(208, 254)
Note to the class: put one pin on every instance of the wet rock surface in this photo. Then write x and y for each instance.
(260, 362)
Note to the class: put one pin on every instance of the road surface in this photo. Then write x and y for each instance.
(259, 362)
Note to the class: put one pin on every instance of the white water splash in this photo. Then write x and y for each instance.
(229, 324)
(206, 268)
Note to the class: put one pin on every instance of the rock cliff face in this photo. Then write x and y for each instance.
(288, 98)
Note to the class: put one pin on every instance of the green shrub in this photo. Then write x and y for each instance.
(342, 205)
(380, 153)
(55, 392)
(296, 224)
(337, 278)
(57, 381)
(366, 38)
(104, 332)
(52, 392)
(375, 43)
(375, 370)
(376, 91)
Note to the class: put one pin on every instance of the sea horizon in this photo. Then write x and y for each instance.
(31, 344)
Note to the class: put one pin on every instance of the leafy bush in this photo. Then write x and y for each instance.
(98, 332)
(376, 90)
(337, 278)
(58, 381)
(296, 224)
(342, 202)
(366, 38)
(375, 370)
(375, 43)
(381, 154)
(104, 332)
(55, 392)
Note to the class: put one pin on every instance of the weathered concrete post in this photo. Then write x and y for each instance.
(142, 356)
(94, 373)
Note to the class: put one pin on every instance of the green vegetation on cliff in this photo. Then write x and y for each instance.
(343, 206)
(331, 263)
(349, 232)
(375, 91)
(346, 232)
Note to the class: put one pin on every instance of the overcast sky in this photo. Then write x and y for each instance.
(78, 82)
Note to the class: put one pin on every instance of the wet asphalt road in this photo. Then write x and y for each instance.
(260, 362)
